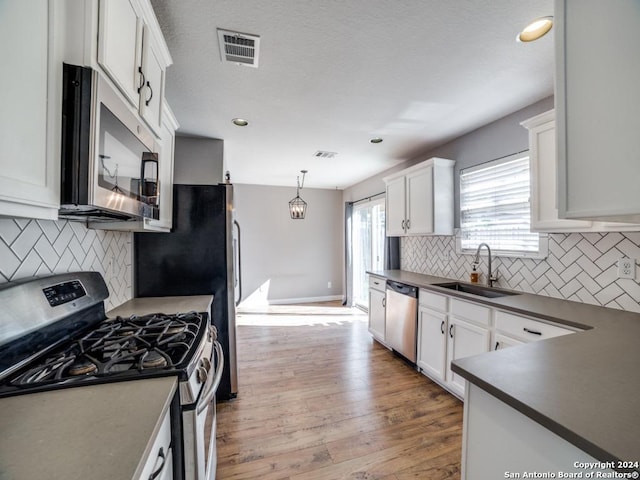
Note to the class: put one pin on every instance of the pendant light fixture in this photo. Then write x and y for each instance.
(297, 206)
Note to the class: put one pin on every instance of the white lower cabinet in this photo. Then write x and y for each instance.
(450, 328)
(464, 340)
(432, 343)
(159, 463)
(377, 317)
(377, 306)
(500, 442)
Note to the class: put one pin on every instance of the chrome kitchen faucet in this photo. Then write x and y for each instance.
(491, 277)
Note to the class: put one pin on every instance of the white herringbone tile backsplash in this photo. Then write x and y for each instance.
(33, 248)
(581, 267)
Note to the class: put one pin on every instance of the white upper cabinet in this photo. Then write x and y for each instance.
(395, 207)
(119, 45)
(542, 154)
(30, 95)
(152, 93)
(544, 175)
(133, 53)
(420, 199)
(597, 98)
(419, 206)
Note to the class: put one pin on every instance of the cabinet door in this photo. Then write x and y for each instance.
(464, 340)
(503, 341)
(30, 95)
(377, 314)
(432, 343)
(419, 208)
(119, 45)
(544, 168)
(395, 208)
(152, 93)
(598, 121)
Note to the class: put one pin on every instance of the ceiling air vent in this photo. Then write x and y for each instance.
(323, 154)
(239, 48)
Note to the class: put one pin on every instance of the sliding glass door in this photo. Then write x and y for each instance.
(368, 246)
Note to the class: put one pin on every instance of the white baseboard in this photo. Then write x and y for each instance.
(291, 301)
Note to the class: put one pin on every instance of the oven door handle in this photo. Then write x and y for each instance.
(213, 380)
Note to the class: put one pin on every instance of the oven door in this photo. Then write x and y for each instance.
(199, 435)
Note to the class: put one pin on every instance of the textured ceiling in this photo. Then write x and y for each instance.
(334, 74)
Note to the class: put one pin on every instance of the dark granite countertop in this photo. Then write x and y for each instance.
(583, 387)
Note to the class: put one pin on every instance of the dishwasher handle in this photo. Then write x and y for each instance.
(402, 288)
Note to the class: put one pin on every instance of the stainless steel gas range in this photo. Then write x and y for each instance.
(54, 334)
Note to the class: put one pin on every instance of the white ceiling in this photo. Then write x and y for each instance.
(333, 74)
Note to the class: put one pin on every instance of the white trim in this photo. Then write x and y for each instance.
(496, 162)
(541, 254)
(293, 301)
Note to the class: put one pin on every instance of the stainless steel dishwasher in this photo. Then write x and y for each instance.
(402, 319)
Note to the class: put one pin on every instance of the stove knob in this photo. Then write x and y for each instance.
(202, 375)
(213, 333)
(206, 364)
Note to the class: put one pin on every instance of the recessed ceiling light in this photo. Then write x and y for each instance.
(376, 140)
(240, 122)
(536, 29)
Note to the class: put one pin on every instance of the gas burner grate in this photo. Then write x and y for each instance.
(121, 346)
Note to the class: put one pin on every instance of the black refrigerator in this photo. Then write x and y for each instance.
(199, 257)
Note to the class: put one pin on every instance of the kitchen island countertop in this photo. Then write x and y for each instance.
(584, 387)
(97, 431)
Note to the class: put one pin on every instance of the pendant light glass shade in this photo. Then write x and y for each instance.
(297, 206)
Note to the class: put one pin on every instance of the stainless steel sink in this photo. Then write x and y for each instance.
(479, 290)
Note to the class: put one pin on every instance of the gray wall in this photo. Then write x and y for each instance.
(495, 140)
(198, 161)
(294, 258)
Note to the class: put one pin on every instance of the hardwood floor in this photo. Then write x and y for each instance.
(318, 399)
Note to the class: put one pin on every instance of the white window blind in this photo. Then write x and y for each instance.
(494, 206)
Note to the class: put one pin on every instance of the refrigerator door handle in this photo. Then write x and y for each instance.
(239, 272)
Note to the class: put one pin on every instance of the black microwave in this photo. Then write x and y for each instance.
(109, 158)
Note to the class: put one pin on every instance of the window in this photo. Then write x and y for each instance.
(494, 208)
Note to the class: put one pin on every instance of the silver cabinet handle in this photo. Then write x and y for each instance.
(442, 327)
(451, 330)
(384, 302)
(408, 224)
(403, 229)
(239, 272)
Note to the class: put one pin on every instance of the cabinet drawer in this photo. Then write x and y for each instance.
(527, 329)
(432, 300)
(471, 311)
(377, 283)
